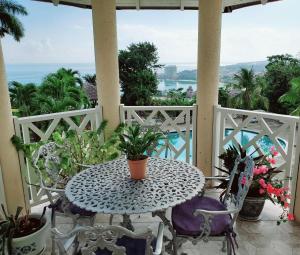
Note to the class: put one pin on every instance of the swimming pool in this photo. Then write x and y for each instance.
(243, 137)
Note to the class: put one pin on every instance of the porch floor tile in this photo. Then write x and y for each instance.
(254, 238)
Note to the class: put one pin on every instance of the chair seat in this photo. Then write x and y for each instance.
(62, 204)
(133, 246)
(185, 223)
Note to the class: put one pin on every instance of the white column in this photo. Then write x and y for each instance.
(209, 44)
(106, 57)
(9, 160)
(297, 198)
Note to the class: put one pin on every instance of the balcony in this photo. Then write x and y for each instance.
(195, 134)
(254, 130)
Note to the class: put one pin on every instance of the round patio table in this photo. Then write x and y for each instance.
(108, 188)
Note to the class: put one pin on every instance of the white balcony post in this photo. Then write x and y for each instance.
(297, 197)
(209, 44)
(106, 58)
(9, 160)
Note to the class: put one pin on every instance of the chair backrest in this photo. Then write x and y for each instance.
(236, 200)
(46, 161)
(93, 239)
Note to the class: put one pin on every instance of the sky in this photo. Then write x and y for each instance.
(65, 35)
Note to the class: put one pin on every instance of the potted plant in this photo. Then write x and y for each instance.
(23, 234)
(134, 142)
(264, 186)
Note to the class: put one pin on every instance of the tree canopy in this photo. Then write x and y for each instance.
(280, 71)
(137, 73)
(291, 99)
(250, 91)
(60, 91)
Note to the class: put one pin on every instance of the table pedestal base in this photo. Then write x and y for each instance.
(127, 223)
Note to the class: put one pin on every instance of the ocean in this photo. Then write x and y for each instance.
(34, 73)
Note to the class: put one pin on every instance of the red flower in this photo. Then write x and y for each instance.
(262, 183)
(244, 180)
(273, 151)
(270, 189)
(291, 217)
(288, 196)
(271, 161)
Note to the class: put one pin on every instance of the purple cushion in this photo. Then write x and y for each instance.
(58, 206)
(133, 246)
(77, 210)
(185, 223)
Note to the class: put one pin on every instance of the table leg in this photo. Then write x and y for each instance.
(171, 247)
(127, 222)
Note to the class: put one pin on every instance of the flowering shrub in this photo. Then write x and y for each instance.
(264, 184)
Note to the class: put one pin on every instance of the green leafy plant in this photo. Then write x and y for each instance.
(18, 225)
(135, 142)
(76, 149)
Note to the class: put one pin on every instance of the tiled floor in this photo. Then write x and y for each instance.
(254, 238)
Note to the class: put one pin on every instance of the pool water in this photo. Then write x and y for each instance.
(243, 137)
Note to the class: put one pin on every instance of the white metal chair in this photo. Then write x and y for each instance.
(205, 218)
(46, 162)
(110, 240)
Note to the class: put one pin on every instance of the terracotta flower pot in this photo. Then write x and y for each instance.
(138, 168)
(252, 208)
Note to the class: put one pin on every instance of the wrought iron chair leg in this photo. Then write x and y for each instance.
(53, 223)
(228, 247)
(76, 246)
(162, 216)
(224, 249)
(92, 220)
(174, 242)
(111, 217)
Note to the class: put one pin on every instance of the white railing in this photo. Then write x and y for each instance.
(40, 128)
(258, 131)
(178, 123)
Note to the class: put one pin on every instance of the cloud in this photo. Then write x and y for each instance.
(48, 50)
(256, 43)
(239, 43)
(174, 45)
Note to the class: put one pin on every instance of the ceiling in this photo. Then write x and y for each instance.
(228, 5)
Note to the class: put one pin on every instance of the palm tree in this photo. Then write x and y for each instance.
(90, 79)
(292, 97)
(250, 89)
(74, 74)
(21, 97)
(48, 104)
(9, 23)
(60, 92)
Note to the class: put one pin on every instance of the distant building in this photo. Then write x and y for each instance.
(190, 92)
(170, 72)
